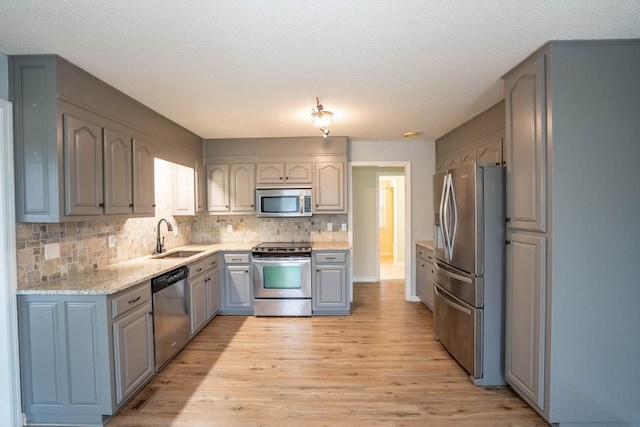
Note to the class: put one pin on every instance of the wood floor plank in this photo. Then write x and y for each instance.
(379, 367)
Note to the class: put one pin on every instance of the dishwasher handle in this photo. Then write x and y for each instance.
(161, 282)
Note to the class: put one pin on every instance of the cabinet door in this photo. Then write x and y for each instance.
(237, 292)
(143, 178)
(200, 189)
(298, 173)
(468, 157)
(526, 146)
(329, 187)
(218, 188)
(428, 276)
(453, 161)
(490, 153)
(183, 190)
(213, 293)
(83, 167)
(118, 173)
(330, 292)
(243, 187)
(419, 279)
(133, 351)
(197, 303)
(525, 315)
(270, 173)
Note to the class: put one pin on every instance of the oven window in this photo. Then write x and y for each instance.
(280, 204)
(282, 277)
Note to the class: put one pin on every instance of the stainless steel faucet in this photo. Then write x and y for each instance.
(159, 243)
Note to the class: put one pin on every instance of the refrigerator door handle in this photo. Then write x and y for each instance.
(452, 235)
(445, 214)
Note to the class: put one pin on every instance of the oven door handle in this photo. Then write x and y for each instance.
(281, 260)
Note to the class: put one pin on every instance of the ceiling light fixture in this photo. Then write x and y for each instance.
(411, 134)
(321, 118)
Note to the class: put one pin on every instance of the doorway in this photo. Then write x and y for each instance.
(391, 225)
(364, 220)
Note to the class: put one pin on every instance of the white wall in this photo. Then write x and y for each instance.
(421, 155)
(4, 77)
(364, 186)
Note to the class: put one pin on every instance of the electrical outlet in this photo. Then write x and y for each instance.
(329, 226)
(175, 230)
(229, 228)
(112, 241)
(52, 250)
(343, 227)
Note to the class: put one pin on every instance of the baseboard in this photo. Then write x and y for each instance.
(365, 279)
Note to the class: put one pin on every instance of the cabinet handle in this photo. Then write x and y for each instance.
(198, 270)
(330, 257)
(135, 300)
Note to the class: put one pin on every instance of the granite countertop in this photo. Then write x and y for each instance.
(123, 275)
(425, 243)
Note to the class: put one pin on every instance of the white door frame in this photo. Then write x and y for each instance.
(407, 218)
(10, 404)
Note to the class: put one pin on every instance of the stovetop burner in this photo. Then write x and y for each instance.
(283, 247)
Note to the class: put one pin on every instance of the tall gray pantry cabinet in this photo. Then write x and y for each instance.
(573, 236)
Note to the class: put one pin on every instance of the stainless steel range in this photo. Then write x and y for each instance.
(282, 279)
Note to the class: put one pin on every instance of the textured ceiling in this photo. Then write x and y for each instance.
(251, 68)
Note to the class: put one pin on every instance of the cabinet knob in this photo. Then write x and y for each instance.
(507, 242)
(101, 205)
(280, 178)
(507, 220)
(153, 205)
(226, 206)
(130, 205)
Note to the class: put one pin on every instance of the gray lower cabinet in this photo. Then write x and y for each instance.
(197, 296)
(424, 275)
(330, 284)
(83, 356)
(213, 286)
(237, 292)
(204, 294)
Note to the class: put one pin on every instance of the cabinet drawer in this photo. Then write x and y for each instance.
(197, 268)
(126, 301)
(236, 258)
(334, 257)
(211, 262)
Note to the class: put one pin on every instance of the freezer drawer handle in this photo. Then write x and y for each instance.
(451, 303)
(453, 275)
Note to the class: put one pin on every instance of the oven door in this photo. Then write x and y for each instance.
(458, 326)
(281, 277)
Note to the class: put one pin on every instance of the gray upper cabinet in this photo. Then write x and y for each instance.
(329, 188)
(83, 155)
(526, 146)
(285, 173)
(218, 193)
(143, 178)
(200, 187)
(118, 172)
(82, 148)
(490, 152)
(243, 187)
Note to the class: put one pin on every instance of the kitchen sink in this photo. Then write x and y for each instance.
(178, 254)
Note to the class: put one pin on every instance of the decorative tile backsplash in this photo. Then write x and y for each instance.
(75, 247)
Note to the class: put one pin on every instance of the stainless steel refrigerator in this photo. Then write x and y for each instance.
(469, 268)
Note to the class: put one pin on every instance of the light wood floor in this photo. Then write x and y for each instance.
(378, 367)
(388, 270)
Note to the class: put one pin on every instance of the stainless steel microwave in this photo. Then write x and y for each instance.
(283, 202)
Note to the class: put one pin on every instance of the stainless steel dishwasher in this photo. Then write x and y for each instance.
(170, 314)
